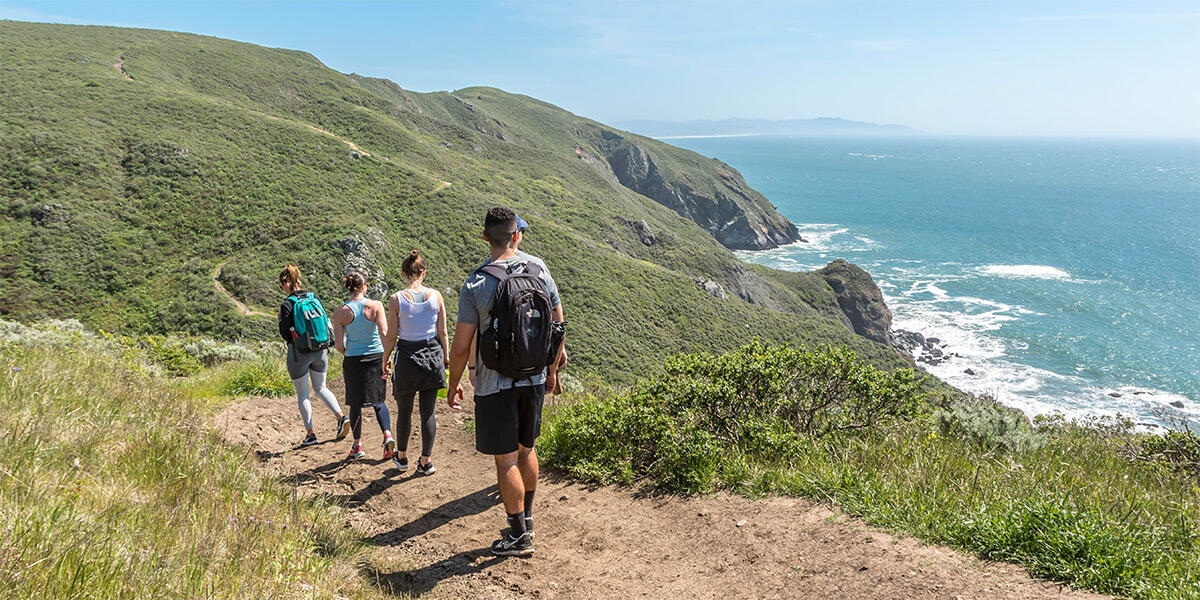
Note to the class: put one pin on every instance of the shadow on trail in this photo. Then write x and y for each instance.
(417, 582)
(471, 504)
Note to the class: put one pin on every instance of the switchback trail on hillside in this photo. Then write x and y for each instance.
(430, 535)
(242, 309)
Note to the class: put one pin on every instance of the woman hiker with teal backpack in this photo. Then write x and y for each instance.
(417, 331)
(357, 329)
(305, 327)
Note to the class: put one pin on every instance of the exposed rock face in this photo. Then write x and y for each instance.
(641, 229)
(715, 289)
(859, 300)
(739, 217)
(752, 288)
(359, 254)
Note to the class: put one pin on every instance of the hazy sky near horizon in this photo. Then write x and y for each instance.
(957, 67)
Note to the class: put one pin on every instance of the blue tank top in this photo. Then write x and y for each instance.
(362, 335)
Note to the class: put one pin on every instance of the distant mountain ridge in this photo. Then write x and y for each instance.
(653, 128)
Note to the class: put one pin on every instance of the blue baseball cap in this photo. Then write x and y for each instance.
(521, 224)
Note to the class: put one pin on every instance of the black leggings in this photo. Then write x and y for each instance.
(381, 415)
(404, 404)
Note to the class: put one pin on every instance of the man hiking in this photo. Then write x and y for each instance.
(511, 308)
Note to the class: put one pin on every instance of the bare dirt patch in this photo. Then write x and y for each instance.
(432, 533)
(120, 66)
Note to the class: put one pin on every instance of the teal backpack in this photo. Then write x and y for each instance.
(310, 328)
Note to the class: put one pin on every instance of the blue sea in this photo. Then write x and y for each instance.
(1065, 274)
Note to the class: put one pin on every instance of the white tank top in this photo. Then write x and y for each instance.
(418, 320)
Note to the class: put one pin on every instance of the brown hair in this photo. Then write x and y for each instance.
(413, 264)
(354, 280)
(290, 277)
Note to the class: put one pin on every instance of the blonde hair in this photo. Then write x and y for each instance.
(290, 277)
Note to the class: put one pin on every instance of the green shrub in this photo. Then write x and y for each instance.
(262, 378)
(759, 403)
(758, 386)
(986, 424)
(165, 353)
(1180, 450)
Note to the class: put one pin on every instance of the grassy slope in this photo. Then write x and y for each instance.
(132, 497)
(122, 196)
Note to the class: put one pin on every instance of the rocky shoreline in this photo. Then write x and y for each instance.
(932, 351)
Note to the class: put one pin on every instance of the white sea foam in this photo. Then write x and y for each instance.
(921, 299)
(1025, 271)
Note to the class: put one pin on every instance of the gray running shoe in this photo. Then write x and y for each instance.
(511, 546)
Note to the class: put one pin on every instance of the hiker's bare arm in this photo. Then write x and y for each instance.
(339, 328)
(441, 329)
(464, 334)
(389, 338)
(379, 318)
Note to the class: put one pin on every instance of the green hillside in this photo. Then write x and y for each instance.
(134, 162)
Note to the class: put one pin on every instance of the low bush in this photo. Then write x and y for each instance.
(760, 401)
(985, 424)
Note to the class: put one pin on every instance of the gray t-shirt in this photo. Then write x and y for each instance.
(475, 307)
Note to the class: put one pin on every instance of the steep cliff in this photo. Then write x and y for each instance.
(859, 300)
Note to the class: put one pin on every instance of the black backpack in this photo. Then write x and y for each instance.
(522, 338)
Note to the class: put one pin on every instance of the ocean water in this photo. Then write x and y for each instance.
(1065, 274)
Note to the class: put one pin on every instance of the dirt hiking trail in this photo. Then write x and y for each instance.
(242, 309)
(431, 534)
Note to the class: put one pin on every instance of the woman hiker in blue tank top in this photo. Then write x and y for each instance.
(417, 331)
(357, 327)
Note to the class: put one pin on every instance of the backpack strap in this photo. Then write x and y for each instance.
(496, 270)
(501, 272)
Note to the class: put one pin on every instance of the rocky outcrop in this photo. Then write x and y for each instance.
(360, 253)
(859, 300)
(640, 229)
(716, 197)
(752, 288)
(713, 288)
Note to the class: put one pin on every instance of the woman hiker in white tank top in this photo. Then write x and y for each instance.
(417, 331)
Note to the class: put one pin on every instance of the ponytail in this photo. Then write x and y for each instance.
(354, 281)
(413, 265)
(290, 277)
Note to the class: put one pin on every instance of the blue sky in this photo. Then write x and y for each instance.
(1018, 67)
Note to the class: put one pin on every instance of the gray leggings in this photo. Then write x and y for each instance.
(301, 368)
